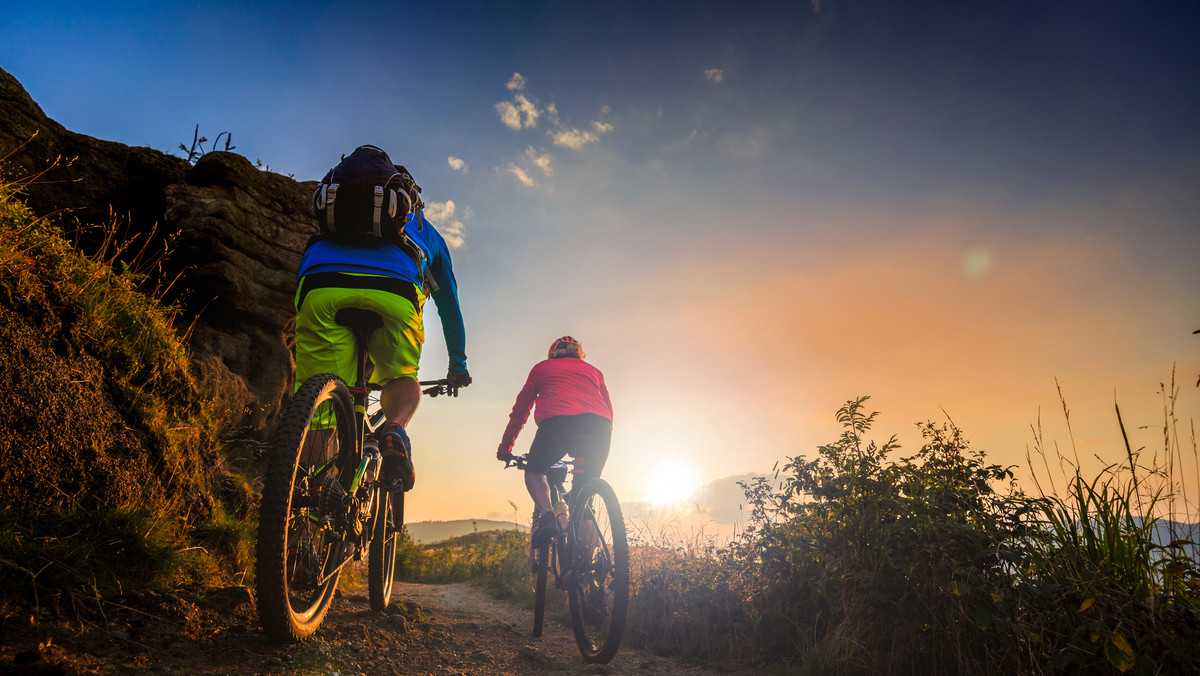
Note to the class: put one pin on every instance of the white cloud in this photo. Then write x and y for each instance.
(521, 175)
(714, 75)
(522, 112)
(518, 113)
(509, 115)
(540, 160)
(454, 234)
(573, 138)
(452, 229)
(438, 212)
(457, 164)
(529, 109)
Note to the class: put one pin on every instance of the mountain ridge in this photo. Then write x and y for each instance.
(431, 532)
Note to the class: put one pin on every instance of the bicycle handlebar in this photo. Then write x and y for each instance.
(522, 461)
(518, 461)
(435, 388)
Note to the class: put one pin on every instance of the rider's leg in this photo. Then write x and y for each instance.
(395, 350)
(539, 489)
(399, 399)
(543, 516)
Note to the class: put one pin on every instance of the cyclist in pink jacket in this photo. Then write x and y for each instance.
(573, 415)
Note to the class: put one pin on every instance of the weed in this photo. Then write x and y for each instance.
(197, 150)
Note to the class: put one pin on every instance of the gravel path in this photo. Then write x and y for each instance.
(429, 629)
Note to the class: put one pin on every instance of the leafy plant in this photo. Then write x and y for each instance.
(197, 149)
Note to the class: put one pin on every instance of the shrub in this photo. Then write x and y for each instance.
(934, 563)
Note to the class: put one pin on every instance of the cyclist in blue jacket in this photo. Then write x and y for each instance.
(381, 277)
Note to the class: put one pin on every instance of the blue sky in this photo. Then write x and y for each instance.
(747, 213)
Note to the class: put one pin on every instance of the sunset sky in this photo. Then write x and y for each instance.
(747, 212)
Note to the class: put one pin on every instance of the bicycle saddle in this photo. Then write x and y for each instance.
(557, 472)
(362, 322)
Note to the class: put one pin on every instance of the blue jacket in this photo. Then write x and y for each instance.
(390, 260)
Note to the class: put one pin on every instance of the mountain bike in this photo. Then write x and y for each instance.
(589, 557)
(323, 504)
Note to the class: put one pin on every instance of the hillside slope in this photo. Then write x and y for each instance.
(428, 532)
(109, 471)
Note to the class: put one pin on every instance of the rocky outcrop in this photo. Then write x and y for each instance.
(238, 233)
(242, 231)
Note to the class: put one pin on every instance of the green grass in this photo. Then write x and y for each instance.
(167, 527)
(498, 560)
(77, 558)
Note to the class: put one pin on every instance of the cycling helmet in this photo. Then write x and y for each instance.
(566, 347)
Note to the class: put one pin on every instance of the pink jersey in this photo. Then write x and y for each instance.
(562, 386)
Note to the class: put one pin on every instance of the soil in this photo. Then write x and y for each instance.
(428, 629)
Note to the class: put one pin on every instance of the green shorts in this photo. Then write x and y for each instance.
(324, 346)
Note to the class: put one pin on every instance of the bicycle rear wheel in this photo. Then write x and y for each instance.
(300, 552)
(598, 585)
(381, 553)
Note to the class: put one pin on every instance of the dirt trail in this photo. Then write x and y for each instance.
(433, 629)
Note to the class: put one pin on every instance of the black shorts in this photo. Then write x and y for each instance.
(585, 437)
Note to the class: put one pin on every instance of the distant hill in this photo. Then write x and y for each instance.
(1167, 531)
(428, 532)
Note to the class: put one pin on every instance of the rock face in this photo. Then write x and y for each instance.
(240, 233)
(242, 230)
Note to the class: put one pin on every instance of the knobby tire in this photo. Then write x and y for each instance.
(598, 584)
(278, 577)
(381, 553)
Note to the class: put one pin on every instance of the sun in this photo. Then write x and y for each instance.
(670, 482)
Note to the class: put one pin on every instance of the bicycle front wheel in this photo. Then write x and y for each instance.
(381, 553)
(598, 585)
(300, 550)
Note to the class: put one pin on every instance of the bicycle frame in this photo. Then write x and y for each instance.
(586, 557)
(322, 504)
(558, 491)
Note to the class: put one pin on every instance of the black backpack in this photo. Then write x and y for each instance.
(366, 197)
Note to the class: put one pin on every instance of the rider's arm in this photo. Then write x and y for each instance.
(520, 413)
(446, 297)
